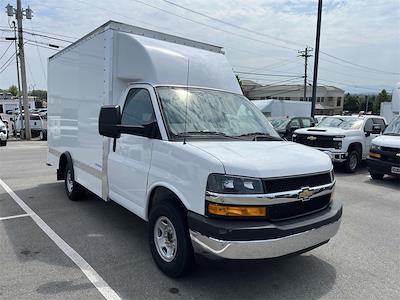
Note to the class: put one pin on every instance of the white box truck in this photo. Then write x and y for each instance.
(283, 108)
(158, 124)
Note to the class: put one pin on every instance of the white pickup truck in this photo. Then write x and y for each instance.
(158, 124)
(384, 154)
(345, 139)
(3, 133)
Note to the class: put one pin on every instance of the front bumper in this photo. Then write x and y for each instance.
(3, 136)
(378, 166)
(235, 239)
(336, 156)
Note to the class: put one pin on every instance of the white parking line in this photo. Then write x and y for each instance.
(90, 273)
(13, 217)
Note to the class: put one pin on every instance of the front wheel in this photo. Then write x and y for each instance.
(169, 240)
(376, 176)
(351, 162)
(3, 143)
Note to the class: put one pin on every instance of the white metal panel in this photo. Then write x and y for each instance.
(77, 90)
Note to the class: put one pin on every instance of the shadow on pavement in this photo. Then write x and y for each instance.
(114, 242)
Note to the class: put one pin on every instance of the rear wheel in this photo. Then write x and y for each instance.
(376, 176)
(352, 161)
(169, 240)
(3, 143)
(73, 189)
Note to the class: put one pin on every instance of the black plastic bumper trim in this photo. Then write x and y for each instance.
(249, 230)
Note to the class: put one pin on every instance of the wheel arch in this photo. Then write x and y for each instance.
(64, 160)
(356, 146)
(159, 193)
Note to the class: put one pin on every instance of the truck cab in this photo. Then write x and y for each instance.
(159, 124)
(384, 153)
(346, 139)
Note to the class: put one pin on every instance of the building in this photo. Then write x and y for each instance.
(329, 98)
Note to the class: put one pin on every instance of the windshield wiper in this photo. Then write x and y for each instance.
(392, 133)
(261, 134)
(205, 132)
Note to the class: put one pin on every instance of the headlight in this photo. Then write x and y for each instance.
(337, 144)
(375, 147)
(226, 184)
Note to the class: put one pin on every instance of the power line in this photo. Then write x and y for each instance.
(10, 58)
(41, 46)
(6, 50)
(359, 66)
(231, 24)
(266, 74)
(40, 56)
(212, 27)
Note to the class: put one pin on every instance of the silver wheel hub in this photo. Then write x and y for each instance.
(70, 182)
(165, 239)
(353, 161)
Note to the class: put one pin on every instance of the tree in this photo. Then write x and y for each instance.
(13, 90)
(383, 96)
(351, 103)
(39, 94)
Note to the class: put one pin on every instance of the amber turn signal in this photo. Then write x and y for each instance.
(373, 154)
(236, 211)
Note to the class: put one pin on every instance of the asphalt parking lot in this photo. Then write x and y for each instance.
(361, 262)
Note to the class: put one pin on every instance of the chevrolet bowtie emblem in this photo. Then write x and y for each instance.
(305, 194)
(311, 138)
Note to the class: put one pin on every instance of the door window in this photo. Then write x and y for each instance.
(379, 122)
(368, 125)
(306, 122)
(295, 123)
(138, 109)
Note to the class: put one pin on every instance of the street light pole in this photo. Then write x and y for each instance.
(316, 58)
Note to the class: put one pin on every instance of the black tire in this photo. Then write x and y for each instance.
(183, 261)
(3, 143)
(43, 135)
(376, 176)
(73, 189)
(349, 164)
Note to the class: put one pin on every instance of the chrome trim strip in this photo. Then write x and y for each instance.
(263, 248)
(299, 175)
(267, 199)
(84, 167)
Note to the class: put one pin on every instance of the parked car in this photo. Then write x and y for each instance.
(286, 126)
(384, 155)
(163, 129)
(3, 134)
(37, 123)
(345, 139)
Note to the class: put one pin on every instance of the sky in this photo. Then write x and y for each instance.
(360, 40)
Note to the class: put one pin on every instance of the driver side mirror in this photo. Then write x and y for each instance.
(109, 121)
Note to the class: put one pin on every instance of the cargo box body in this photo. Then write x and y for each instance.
(97, 69)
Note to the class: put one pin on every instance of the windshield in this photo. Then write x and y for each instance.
(344, 123)
(394, 127)
(211, 112)
(279, 123)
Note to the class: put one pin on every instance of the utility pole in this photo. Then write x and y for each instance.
(17, 61)
(306, 55)
(366, 104)
(317, 39)
(19, 15)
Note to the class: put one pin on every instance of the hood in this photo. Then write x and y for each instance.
(387, 141)
(327, 131)
(266, 159)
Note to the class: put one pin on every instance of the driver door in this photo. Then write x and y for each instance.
(129, 164)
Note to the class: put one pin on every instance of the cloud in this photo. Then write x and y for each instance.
(364, 32)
